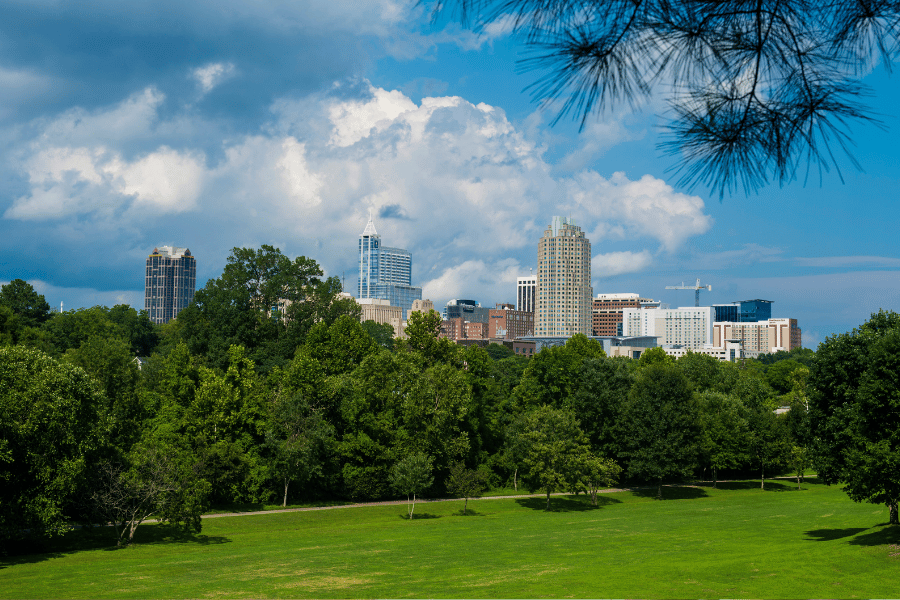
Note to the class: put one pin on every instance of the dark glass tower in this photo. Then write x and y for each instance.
(169, 284)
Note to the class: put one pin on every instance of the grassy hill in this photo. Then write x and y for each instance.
(734, 541)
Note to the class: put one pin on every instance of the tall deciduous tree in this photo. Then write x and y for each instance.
(855, 411)
(31, 307)
(554, 448)
(660, 426)
(297, 440)
(53, 428)
(724, 432)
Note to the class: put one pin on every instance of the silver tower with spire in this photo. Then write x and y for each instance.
(385, 273)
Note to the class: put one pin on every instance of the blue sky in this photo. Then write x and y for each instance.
(210, 125)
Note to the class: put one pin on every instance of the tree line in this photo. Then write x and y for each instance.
(245, 398)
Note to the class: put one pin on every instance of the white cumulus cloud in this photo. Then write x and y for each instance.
(617, 263)
(211, 75)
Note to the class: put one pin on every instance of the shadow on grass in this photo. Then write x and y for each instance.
(470, 513)
(417, 516)
(828, 535)
(100, 538)
(889, 534)
(675, 492)
(771, 485)
(566, 503)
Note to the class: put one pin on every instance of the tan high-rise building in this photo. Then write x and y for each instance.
(563, 290)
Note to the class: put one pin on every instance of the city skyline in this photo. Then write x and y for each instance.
(206, 141)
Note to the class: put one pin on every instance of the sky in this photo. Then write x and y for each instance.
(213, 125)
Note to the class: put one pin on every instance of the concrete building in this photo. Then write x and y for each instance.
(525, 293)
(686, 327)
(169, 282)
(563, 291)
(606, 311)
(385, 273)
(632, 347)
(763, 337)
(421, 306)
(731, 350)
(508, 324)
(381, 311)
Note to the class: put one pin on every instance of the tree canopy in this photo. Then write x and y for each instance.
(757, 91)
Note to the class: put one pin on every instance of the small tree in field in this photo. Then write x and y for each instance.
(412, 476)
(465, 482)
(800, 461)
(598, 472)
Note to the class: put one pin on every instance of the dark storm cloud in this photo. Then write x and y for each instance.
(89, 54)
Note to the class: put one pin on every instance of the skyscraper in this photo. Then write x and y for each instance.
(169, 283)
(385, 273)
(563, 281)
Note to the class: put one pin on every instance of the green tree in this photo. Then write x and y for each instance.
(724, 432)
(341, 346)
(264, 302)
(142, 334)
(780, 374)
(769, 442)
(382, 333)
(465, 482)
(756, 90)
(655, 356)
(52, 431)
(855, 411)
(554, 449)
(30, 307)
(601, 391)
(161, 478)
(110, 363)
(598, 472)
(410, 476)
(422, 331)
(660, 426)
(702, 370)
(297, 439)
(70, 329)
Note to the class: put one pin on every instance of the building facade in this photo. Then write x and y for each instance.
(525, 293)
(508, 324)
(687, 327)
(563, 290)
(381, 311)
(169, 282)
(744, 311)
(763, 337)
(606, 312)
(385, 273)
(470, 310)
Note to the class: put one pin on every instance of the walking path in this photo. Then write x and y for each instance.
(427, 500)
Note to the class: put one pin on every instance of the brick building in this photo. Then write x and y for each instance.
(606, 311)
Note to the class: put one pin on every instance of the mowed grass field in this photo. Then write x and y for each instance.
(735, 541)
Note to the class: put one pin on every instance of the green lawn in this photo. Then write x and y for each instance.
(736, 541)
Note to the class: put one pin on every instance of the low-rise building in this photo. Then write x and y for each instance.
(508, 324)
(762, 337)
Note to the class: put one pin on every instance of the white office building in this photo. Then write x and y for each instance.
(688, 327)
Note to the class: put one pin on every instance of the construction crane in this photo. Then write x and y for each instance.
(696, 289)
